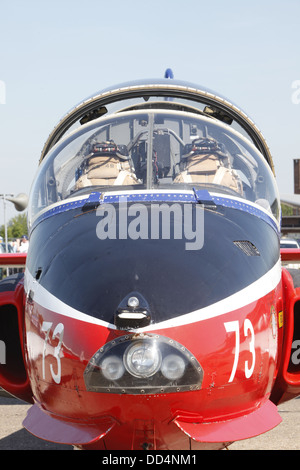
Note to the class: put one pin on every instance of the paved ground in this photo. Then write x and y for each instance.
(13, 436)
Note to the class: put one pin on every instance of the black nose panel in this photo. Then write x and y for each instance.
(98, 276)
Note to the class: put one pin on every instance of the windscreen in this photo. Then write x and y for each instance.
(154, 149)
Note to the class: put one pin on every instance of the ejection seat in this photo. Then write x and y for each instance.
(108, 164)
(206, 161)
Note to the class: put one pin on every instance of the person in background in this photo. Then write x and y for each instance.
(14, 245)
(24, 244)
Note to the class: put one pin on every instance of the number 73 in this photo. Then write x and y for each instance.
(57, 333)
(234, 327)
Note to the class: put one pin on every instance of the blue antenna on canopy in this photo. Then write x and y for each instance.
(169, 73)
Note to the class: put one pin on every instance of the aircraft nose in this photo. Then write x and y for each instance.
(97, 274)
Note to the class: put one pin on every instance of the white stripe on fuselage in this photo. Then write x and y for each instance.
(244, 297)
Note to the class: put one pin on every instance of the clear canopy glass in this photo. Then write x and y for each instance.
(154, 149)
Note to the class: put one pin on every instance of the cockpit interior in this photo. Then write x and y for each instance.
(155, 146)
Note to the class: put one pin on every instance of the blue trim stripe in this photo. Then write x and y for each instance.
(199, 196)
(233, 204)
(150, 197)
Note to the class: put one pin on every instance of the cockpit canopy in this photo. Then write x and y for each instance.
(154, 148)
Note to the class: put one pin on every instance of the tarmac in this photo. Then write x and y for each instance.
(285, 436)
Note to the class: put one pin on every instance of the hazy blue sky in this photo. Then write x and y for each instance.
(55, 53)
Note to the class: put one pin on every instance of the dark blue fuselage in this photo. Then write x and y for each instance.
(93, 275)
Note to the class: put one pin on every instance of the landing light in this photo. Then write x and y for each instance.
(143, 364)
(142, 359)
(112, 368)
(173, 367)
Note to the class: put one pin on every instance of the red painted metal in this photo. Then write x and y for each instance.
(15, 381)
(222, 410)
(287, 384)
(290, 254)
(243, 427)
(13, 259)
(158, 419)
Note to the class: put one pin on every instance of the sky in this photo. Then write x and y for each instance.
(53, 54)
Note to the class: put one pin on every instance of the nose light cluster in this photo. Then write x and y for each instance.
(143, 364)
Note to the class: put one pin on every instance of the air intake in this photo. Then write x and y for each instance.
(247, 247)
